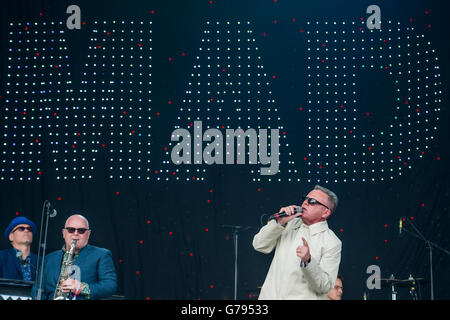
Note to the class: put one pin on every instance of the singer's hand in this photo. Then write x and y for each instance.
(290, 211)
(303, 251)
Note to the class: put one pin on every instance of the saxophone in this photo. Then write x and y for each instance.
(66, 270)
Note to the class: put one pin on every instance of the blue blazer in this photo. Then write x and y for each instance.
(96, 268)
(10, 265)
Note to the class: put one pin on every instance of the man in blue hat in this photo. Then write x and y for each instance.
(19, 262)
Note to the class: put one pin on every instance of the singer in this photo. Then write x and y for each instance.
(19, 262)
(307, 253)
(97, 277)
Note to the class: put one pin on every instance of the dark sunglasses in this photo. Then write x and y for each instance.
(21, 229)
(313, 201)
(79, 230)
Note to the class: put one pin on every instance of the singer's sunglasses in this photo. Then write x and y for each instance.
(21, 229)
(79, 230)
(313, 201)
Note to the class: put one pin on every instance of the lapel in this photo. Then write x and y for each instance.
(55, 271)
(81, 256)
(16, 262)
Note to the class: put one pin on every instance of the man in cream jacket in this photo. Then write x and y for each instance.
(307, 253)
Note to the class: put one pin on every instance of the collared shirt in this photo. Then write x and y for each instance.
(286, 278)
(84, 286)
(25, 266)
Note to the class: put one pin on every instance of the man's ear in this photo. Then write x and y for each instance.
(326, 214)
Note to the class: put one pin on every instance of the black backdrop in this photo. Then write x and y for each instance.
(167, 235)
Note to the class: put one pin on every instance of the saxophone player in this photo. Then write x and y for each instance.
(96, 277)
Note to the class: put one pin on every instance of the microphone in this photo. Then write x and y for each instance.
(283, 214)
(51, 212)
(400, 226)
(19, 256)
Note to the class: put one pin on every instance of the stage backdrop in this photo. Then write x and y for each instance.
(165, 123)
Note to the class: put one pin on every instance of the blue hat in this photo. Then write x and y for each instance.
(15, 222)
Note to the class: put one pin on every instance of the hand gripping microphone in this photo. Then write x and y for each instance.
(283, 214)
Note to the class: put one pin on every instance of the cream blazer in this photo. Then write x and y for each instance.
(286, 279)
